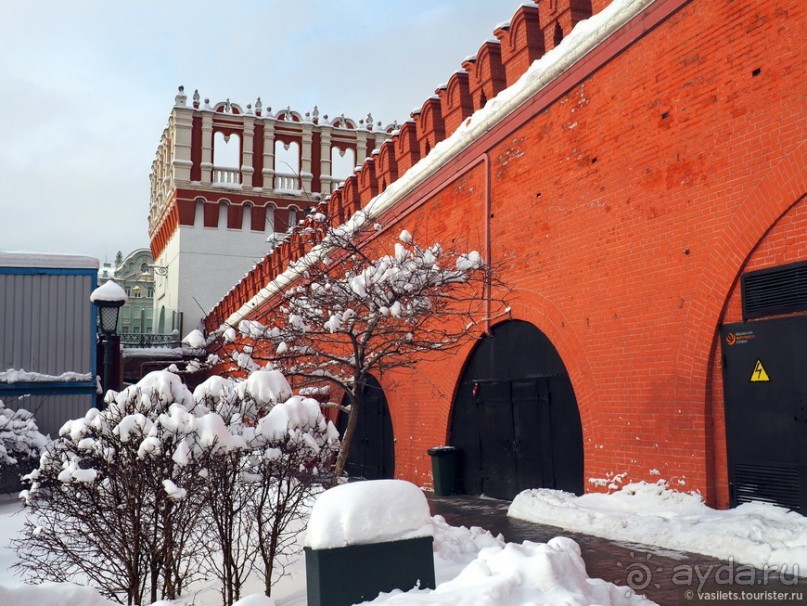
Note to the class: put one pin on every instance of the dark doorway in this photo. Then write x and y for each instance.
(765, 388)
(515, 419)
(372, 452)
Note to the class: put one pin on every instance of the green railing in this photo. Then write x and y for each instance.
(143, 340)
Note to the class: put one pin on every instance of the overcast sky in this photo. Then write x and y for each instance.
(86, 87)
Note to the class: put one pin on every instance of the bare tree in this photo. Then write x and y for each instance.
(160, 488)
(351, 315)
(287, 481)
(100, 511)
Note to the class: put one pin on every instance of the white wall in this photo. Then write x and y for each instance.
(203, 263)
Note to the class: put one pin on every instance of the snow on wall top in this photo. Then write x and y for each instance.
(584, 38)
(362, 513)
(108, 291)
(10, 258)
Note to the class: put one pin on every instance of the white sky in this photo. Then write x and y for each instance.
(86, 87)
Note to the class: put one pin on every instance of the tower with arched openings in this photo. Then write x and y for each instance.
(224, 180)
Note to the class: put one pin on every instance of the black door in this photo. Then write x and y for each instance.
(497, 448)
(372, 452)
(515, 419)
(765, 388)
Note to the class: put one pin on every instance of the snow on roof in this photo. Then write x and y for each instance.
(108, 291)
(13, 258)
(586, 36)
(361, 513)
(13, 375)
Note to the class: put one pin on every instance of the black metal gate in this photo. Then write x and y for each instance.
(515, 419)
(372, 452)
(765, 388)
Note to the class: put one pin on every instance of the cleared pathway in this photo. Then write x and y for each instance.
(669, 578)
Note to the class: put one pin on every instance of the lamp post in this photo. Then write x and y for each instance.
(109, 298)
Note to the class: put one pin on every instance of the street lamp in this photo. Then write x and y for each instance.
(109, 298)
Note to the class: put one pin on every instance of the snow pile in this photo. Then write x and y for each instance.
(515, 575)
(368, 512)
(20, 439)
(457, 546)
(758, 534)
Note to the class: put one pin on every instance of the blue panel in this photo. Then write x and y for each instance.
(49, 388)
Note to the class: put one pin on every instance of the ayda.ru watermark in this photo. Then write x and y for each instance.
(703, 579)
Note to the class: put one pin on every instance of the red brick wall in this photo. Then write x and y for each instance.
(617, 209)
(624, 212)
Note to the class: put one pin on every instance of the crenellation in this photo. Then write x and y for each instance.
(486, 73)
(430, 125)
(522, 42)
(407, 151)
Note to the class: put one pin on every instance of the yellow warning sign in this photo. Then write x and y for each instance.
(759, 375)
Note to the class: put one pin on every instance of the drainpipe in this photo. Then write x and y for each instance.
(487, 243)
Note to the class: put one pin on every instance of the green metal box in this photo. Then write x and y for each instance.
(344, 576)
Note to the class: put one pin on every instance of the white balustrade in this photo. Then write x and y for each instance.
(226, 176)
(287, 182)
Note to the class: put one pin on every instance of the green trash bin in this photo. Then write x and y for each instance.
(444, 469)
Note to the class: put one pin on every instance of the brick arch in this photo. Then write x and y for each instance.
(530, 306)
(781, 188)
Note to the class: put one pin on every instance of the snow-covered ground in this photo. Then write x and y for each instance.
(759, 534)
(471, 566)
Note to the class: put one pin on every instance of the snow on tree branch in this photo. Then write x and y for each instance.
(350, 315)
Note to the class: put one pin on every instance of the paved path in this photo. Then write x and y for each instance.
(669, 578)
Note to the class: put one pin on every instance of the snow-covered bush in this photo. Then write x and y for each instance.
(20, 440)
(162, 486)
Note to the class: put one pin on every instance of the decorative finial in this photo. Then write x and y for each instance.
(315, 113)
(369, 121)
(227, 106)
(207, 103)
(181, 97)
(249, 108)
(258, 107)
(196, 99)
